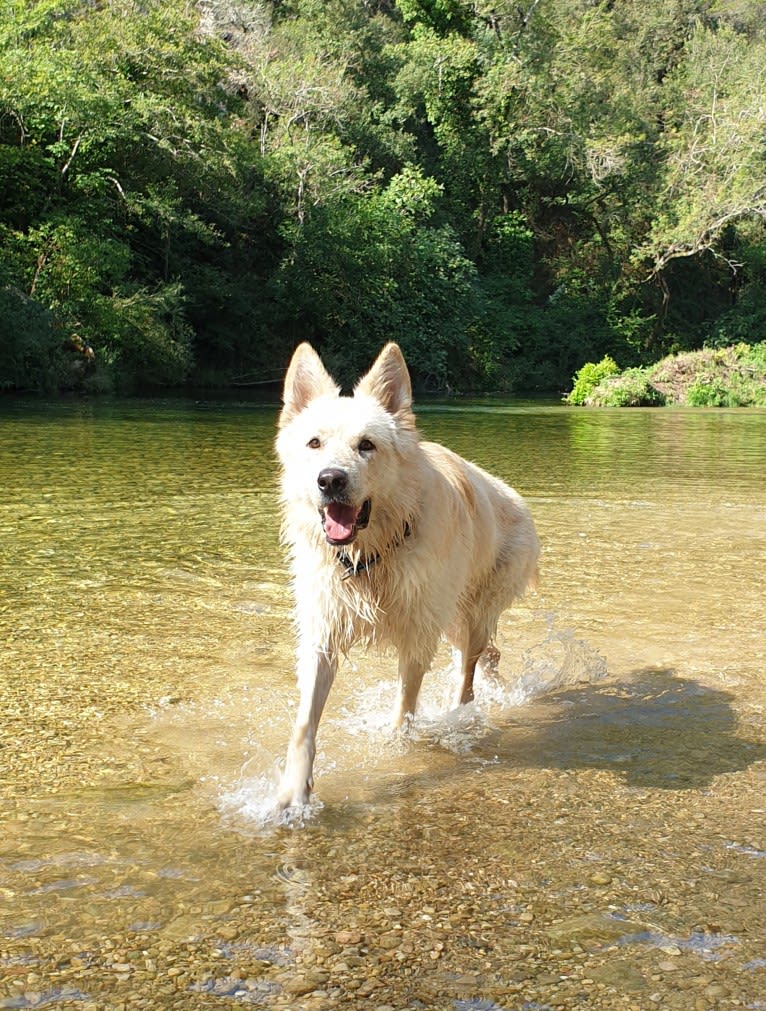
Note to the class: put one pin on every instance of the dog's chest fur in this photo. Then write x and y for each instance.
(369, 605)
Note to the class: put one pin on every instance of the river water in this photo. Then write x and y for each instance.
(590, 833)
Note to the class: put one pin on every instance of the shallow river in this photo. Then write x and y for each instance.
(591, 833)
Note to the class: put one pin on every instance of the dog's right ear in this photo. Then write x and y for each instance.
(306, 380)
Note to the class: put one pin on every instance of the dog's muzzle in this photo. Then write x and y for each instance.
(341, 520)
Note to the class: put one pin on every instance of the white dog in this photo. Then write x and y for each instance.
(392, 541)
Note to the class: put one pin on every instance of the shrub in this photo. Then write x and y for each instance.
(588, 378)
(711, 393)
(629, 389)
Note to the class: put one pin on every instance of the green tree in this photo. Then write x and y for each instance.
(367, 269)
(715, 147)
(115, 125)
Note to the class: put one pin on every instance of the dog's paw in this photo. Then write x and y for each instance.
(285, 802)
(401, 723)
(292, 795)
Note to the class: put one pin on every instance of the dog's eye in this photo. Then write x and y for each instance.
(366, 446)
(314, 443)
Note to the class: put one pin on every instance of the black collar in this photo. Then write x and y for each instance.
(365, 564)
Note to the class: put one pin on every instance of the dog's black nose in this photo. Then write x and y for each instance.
(332, 480)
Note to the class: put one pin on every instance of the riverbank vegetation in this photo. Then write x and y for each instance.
(508, 190)
(712, 377)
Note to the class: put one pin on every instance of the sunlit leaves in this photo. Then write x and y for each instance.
(119, 113)
(715, 148)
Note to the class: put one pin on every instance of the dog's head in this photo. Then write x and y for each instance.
(342, 456)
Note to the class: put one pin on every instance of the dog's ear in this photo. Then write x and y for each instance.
(306, 380)
(388, 381)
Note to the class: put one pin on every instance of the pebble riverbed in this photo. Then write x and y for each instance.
(574, 872)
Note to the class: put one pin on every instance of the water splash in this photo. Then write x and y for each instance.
(505, 681)
(559, 660)
(359, 733)
(251, 798)
(456, 730)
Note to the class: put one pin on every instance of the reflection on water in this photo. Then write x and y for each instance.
(589, 833)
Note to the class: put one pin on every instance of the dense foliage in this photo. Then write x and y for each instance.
(508, 190)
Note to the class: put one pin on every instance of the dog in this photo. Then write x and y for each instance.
(392, 541)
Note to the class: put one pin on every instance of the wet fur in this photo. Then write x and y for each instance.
(448, 546)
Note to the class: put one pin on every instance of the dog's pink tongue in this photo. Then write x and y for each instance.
(339, 521)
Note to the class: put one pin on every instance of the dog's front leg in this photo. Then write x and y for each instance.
(411, 672)
(316, 673)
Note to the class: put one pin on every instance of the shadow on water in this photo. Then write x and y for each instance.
(654, 729)
(649, 730)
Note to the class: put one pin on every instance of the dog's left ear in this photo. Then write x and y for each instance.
(388, 381)
(306, 379)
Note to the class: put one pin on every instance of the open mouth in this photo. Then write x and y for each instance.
(342, 522)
